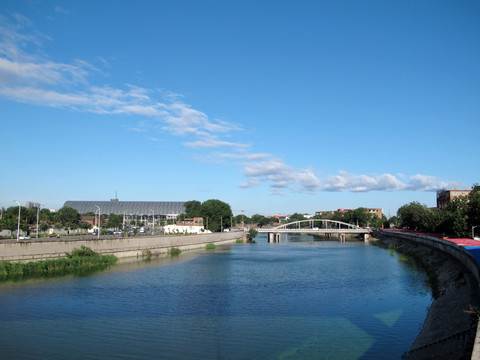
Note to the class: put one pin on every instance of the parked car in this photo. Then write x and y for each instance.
(24, 237)
(117, 232)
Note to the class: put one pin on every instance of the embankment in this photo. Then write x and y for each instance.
(29, 250)
(448, 331)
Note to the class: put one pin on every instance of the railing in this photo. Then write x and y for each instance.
(315, 226)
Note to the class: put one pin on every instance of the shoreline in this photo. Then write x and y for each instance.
(448, 332)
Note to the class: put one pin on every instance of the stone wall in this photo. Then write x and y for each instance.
(28, 250)
(457, 252)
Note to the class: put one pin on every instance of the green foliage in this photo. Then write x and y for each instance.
(174, 251)
(67, 217)
(193, 209)
(147, 254)
(216, 213)
(261, 220)
(296, 217)
(114, 221)
(210, 246)
(252, 233)
(456, 218)
(239, 241)
(82, 252)
(79, 261)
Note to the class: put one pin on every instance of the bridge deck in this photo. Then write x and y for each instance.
(314, 231)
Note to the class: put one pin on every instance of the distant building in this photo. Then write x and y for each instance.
(324, 212)
(31, 204)
(445, 196)
(131, 209)
(377, 212)
(373, 211)
(186, 226)
(281, 218)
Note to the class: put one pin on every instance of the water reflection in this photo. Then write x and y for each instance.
(298, 299)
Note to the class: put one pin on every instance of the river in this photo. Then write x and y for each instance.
(299, 299)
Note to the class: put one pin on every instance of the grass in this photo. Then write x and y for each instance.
(210, 246)
(79, 261)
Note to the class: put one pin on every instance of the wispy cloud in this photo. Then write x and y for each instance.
(345, 181)
(280, 176)
(33, 78)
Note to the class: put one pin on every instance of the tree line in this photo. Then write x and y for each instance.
(455, 219)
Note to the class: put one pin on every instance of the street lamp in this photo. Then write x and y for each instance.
(38, 214)
(98, 233)
(18, 222)
(153, 221)
(473, 235)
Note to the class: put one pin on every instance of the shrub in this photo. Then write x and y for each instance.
(174, 251)
(79, 261)
(210, 246)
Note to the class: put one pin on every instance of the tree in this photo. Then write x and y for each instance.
(114, 221)
(260, 220)
(296, 217)
(473, 208)
(217, 213)
(252, 233)
(415, 216)
(9, 223)
(67, 216)
(361, 217)
(193, 209)
(452, 218)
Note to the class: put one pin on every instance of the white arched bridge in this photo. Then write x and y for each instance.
(314, 226)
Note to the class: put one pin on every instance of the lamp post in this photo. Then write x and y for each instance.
(153, 221)
(18, 222)
(98, 233)
(473, 228)
(38, 214)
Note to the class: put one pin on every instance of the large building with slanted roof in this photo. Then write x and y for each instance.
(130, 209)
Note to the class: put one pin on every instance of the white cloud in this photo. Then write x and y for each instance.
(280, 176)
(32, 78)
(427, 183)
(345, 181)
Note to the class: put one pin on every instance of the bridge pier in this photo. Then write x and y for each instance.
(274, 237)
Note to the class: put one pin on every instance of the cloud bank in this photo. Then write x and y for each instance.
(35, 79)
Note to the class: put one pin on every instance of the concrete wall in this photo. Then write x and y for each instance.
(457, 252)
(27, 250)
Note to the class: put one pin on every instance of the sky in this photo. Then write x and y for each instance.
(274, 107)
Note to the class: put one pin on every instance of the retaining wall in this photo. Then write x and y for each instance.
(457, 252)
(28, 250)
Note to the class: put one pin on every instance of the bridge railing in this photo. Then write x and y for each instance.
(308, 230)
(316, 225)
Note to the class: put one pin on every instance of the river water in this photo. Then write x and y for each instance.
(299, 299)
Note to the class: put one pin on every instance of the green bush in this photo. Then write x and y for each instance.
(174, 251)
(210, 246)
(79, 261)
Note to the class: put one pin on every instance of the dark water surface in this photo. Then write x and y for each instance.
(300, 299)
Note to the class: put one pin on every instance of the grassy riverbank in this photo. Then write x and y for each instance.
(79, 261)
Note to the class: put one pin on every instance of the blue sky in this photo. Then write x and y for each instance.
(271, 106)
